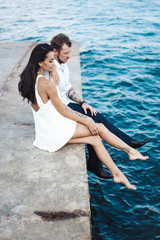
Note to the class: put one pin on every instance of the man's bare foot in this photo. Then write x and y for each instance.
(134, 154)
(120, 178)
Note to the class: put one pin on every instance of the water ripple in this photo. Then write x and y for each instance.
(119, 44)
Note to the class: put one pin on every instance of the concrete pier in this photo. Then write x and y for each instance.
(34, 184)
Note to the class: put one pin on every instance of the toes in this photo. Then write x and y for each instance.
(124, 182)
(130, 186)
(145, 158)
(140, 157)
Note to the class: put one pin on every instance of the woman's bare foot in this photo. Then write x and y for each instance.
(120, 178)
(134, 154)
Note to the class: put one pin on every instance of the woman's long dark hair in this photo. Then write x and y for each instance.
(26, 86)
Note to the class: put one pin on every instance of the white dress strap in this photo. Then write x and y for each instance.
(39, 100)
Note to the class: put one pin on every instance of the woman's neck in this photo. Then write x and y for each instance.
(40, 71)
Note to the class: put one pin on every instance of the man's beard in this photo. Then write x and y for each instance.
(59, 60)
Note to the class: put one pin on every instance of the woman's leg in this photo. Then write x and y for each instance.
(110, 138)
(116, 142)
(103, 155)
(83, 135)
(81, 131)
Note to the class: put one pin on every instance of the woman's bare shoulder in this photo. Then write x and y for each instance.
(46, 83)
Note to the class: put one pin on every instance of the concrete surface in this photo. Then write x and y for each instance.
(31, 179)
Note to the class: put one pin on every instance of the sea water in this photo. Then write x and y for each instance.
(120, 62)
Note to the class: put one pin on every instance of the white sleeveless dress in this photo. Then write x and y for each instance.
(52, 130)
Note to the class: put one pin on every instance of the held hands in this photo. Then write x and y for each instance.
(86, 106)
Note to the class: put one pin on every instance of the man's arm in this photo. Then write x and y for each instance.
(71, 94)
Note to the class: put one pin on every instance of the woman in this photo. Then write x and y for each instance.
(56, 124)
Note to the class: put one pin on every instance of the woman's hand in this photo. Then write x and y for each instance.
(92, 126)
(55, 76)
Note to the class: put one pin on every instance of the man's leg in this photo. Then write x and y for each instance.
(99, 118)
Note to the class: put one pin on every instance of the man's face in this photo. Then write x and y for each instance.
(64, 54)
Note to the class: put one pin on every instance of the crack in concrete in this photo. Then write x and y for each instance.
(5, 87)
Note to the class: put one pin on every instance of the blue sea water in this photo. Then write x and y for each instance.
(120, 62)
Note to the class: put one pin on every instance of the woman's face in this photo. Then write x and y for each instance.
(48, 63)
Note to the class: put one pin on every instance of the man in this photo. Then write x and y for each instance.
(62, 49)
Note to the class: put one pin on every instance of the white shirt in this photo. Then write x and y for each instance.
(64, 83)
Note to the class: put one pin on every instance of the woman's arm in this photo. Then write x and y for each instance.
(55, 76)
(61, 108)
(67, 112)
(75, 112)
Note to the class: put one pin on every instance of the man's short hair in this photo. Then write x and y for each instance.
(58, 41)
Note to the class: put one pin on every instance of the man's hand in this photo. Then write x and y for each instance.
(74, 97)
(86, 106)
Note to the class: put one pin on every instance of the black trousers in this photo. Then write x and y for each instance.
(93, 160)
